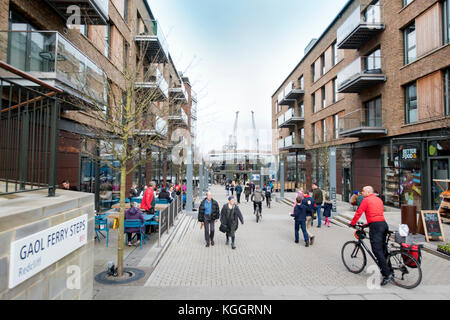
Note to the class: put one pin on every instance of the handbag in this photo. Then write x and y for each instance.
(223, 228)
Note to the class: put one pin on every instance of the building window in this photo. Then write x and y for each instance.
(447, 91)
(301, 83)
(446, 21)
(324, 99)
(373, 113)
(334, 53)
(322, 63)
(314, 133)
(335, 90)
(372, 14)
(336, 126)
(126, 50)
(324, 130)
(125, 10)
(302, 110)
(411, 103)
(373, 62)
(302, 136)
(313, 97)
(84, 30)
(313, 71)
(406, 2)
(409, 39)
(108, 41)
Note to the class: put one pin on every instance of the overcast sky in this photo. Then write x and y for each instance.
(236, 53)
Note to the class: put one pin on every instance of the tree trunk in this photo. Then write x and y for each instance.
(123, 182)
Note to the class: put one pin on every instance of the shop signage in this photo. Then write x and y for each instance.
(409, 154)
(34, 253)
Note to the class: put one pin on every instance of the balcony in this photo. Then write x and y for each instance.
(289, 119)
(361, 74)
(179, 95)
(290, 94)
(158, 85)
(154, 44)
(48, 56)
(290, 144)
(360, 27)
(361, 123)
(93, 12)
(156, 130)
(178, 117)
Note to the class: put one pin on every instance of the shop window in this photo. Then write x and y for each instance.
(411, 103)
(409, 39)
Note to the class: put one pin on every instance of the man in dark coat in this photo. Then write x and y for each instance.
(229, 217)
(238, 192)
(164, 195)
(208, 214)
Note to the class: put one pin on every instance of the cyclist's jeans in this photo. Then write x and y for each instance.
(298, 225)
(259, 204)
(378, 234)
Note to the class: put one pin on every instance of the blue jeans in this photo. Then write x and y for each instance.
(298, 225)
(319, 214)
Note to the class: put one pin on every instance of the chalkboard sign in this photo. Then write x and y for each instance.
(430, 224)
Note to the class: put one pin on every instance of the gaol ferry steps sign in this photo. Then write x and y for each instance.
(34, 253)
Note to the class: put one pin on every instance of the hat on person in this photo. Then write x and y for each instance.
(230, 198)
(355, 192)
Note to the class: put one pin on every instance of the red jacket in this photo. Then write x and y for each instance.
(147, 200)
(374, 209)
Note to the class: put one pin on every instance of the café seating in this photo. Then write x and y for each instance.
(101, 224)
(132, 223)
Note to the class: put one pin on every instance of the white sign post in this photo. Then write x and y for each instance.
(34, 253)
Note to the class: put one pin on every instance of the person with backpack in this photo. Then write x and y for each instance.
(327, 207)
(238, 192)
(268, 194)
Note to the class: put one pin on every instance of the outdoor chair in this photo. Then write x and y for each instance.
(132, 223)
(162, 201)
(101, 224)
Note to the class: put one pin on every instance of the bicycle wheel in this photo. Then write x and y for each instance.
(405, 269)
(257, 215)
(354, 257)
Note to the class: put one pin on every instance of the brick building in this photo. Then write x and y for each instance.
(93, 57)
(375, 85)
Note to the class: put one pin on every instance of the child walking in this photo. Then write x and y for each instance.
(327, 207)
(300, 220)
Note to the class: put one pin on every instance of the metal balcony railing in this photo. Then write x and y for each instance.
(179, 116)
(154, 43)
(48, 56)
(28, 134)
(360, 27)
(361, 74)
(361, 122)
(156, 82)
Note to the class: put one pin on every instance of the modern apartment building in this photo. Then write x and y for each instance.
(375, 85)
(94, 57)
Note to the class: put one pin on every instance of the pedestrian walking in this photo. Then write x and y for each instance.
(227, 188)
(208, 215)
(318, 198)
(300, 220)
(373, 207)
(309, 204)
(229, 218)
(238, 192)
(327, 207)
(247, 191)
(232, 188)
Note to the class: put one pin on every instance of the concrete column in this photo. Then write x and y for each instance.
(282, 179)
(189, 182)
(332, 178)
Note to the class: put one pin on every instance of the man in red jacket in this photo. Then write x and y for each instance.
(149, 199)
(374, 209)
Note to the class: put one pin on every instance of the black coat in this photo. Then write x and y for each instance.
(300, 212)
(215, 214)
(232, 223)
(327, 207)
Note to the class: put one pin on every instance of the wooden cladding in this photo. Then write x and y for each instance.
(430, 97)
(429, 30)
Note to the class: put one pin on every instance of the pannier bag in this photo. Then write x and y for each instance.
(413, 250)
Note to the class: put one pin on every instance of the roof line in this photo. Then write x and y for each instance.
(317, 42)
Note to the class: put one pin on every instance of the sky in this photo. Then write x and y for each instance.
(236, 54)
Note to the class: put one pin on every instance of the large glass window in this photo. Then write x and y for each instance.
(313, 97)
(322, 63)
(411, 103)
(336, 126)
(335, 90)
(409, 39)
(324, 99)
(373, 62)
(446, 21)
(301, 110)
(447, 91)
(302, 136)
(301, 83)
(313, 72)
(324, 130)
(373, 113)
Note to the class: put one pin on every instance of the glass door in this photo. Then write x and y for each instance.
(439, 170)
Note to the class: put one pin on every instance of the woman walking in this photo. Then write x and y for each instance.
(327, 207)
(229, 219)
(247, 191)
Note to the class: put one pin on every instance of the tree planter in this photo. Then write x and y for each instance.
(441, 250)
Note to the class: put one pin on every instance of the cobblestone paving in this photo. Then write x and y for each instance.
(267, 262)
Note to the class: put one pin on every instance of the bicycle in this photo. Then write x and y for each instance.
(257, 212)
(403, 264)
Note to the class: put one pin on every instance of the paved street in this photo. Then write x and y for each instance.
(267, 264)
